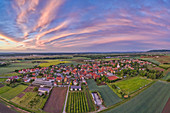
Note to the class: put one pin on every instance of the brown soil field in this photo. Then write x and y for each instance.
(21, 95)
(163, 59)
(29, 89)
(56, 100)
(1, 85)
(167, 107)
(5, 109)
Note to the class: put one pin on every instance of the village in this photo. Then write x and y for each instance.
(74, 76)
(93, 85)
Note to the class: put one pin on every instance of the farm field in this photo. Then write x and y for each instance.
(131, 85)
(166, 108)
(13, 92)
(89, 100)
(15, 66)
(109, 97)
(4, 89)
(158, 94)
(165, 65)
(92, 84)
(163, 59)
(5, 109)
(30, 100)
(151, 60)
(9, 74)
(52, 62)
(56, 100)
(2, 79)
(108, 59)
(77, 102)
(167, 76)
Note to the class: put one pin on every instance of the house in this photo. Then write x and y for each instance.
(59, 79)
(75, 82)
(52, 79)
(75, 88)
(112, 78)
(65, 79)
(27, 80)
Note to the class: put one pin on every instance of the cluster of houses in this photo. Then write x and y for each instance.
(60, 76)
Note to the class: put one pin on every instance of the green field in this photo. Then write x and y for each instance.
(52, 62)
(77, 102)
(10, 74)
(108, 59)
(30, 100)
(151, 60)
(109, 97)
(13, 92)
(165, 65)
(2, 79)
(167, 76)
(92, 85)
(4, 89)
(15, 66)
(84, 58)
(152, 100)
(131, 85)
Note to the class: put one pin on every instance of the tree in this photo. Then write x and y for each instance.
(35, 89)
(46, 93)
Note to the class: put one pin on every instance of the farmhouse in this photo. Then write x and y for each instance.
(42, 83)
(43, 90)
(75, 88)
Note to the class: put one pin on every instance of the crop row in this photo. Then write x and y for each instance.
(77, 103)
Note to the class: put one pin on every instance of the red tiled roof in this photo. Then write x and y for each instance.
(113, 77)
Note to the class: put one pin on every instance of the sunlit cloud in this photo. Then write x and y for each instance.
(68, 25)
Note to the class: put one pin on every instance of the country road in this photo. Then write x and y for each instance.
(64, 109)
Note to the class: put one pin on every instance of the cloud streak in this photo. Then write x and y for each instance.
(66, 25)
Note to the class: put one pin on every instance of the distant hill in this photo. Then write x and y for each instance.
(162, 50)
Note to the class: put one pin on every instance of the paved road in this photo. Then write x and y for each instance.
(64, 110)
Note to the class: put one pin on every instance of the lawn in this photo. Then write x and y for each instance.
(15, 66)
(131, 85)
(152, 100)
(30, 100)
(52, 62)
(4, 89)
(13, 92)
(109, 97)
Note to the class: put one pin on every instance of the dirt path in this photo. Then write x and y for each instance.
(64, 109)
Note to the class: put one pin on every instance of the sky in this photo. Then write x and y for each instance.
(84, 25)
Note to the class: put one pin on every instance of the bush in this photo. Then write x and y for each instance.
(168, 80)
(35, 89)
